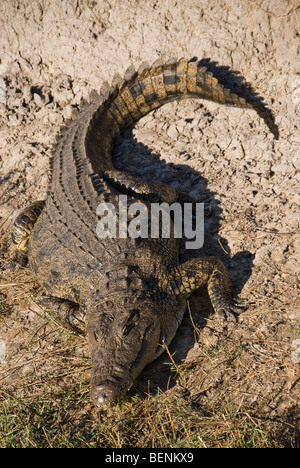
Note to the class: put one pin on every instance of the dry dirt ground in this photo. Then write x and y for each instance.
(52, 55)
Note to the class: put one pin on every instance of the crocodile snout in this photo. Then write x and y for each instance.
(105, 393)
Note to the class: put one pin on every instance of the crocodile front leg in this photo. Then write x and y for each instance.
(191, 275)
(66, 312)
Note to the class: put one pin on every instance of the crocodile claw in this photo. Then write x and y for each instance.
(232, 309)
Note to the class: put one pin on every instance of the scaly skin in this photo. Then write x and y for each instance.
(130, 293)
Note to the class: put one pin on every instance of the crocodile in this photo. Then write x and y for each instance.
(127, 294)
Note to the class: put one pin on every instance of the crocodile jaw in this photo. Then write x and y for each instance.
(117, 361)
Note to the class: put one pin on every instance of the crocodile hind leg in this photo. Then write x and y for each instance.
(23, 227)
(151, 191)
(66, 312)
(191, 275)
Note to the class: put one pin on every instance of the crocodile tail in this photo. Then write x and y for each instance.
(151, 87)
(146, 89)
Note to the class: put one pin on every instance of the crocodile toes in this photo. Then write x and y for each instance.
(233, 309)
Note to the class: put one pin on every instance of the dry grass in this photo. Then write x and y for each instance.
(60, 419)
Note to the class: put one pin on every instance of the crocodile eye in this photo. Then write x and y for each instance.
(132, 320)
(127, 329)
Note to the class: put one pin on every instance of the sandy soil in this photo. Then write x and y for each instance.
(52, 55)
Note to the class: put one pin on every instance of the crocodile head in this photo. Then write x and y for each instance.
(123, 344)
